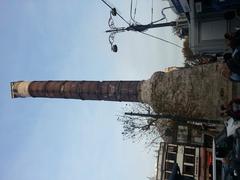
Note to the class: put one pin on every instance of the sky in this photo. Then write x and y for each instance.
(57, 139)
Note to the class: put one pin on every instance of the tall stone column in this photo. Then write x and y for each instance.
(85, 90)
(195, 92)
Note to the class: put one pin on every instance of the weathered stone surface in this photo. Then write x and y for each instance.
(191, 92)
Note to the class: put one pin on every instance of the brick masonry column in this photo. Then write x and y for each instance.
(84, 90)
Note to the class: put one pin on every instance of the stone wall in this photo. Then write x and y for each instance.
(190, 92)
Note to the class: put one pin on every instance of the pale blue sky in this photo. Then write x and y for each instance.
(56, 139)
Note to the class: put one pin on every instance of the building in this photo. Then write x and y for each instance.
(189, 134)
(194, 92)
(180, 6)
(208, 21)
(194, 162)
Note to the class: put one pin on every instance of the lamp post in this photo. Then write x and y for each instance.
(135, 26)
(132, 27)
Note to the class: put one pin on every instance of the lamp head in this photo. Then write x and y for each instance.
(114, 11)
(114, 48)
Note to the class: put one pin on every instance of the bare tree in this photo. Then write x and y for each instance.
(143, 124)
(149, 129)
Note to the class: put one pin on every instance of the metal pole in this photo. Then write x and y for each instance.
(141, 28)
(149, 26)
(175, 118)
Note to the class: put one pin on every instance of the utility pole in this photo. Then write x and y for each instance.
(134, 26)
(141, 28)
(175, 118)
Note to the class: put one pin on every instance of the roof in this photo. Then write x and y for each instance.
(180, 6)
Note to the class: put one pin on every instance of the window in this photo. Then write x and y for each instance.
(188, 169)
(182, 134)
(196, 137)
(212, 30)
(189, 159)
(189, 151)
(171, 156)
(172, 149)
(169, 166)
(167, 175)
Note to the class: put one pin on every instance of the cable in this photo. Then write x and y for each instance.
(169, 42)
(133, 18)
(152, 12)
(117, 12)
(123, 19)
(163, 14)
(131, 11)
(135, 9)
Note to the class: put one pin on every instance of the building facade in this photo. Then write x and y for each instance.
(208, 25)
(208, 21)
(189, 133)
(194, 162)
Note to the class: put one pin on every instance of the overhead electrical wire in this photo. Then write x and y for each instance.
(117, 12)
(161, 39)
(135, 11)
(152, 12)
(131, 11)
(163, 14)
(152, 22)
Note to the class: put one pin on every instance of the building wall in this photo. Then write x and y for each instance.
(193, 162)
(187, 157)
(207, 28)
